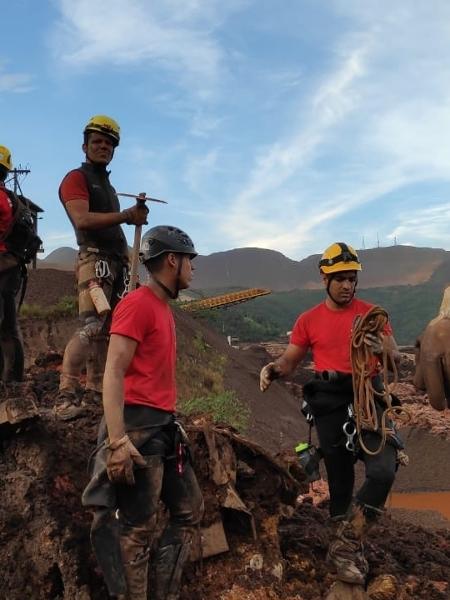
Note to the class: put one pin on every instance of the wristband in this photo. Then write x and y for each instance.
(118, 443)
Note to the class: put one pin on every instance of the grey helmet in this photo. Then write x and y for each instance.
(165, 238)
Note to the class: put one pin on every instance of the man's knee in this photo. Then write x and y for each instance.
(382, 475)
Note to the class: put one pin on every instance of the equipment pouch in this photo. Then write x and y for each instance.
(324, 397)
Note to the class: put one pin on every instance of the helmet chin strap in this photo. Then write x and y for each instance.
(329, 280)
(172, 294)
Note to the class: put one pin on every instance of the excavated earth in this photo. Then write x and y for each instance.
(275, 531)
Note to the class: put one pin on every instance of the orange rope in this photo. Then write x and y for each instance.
(364, 394)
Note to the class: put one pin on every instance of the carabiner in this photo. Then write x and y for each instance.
(349, 428)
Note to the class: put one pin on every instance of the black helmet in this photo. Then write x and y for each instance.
(165, 238)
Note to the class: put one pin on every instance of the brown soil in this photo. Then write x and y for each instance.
(46, 287)
(44, 531)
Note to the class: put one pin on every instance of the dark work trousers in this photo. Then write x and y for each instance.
(339, 463)
(180, 492)
(162, 478)
(11, 348)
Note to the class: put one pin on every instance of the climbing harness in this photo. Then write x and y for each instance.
(365, 396)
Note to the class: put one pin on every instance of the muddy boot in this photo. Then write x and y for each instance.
(169, 562)
(19, 408)
(68, 406)
(134, 544)
(91, 398)
(346, 551)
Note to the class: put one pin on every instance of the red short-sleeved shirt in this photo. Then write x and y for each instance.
(74, 187)
(6, 215)
(150, 377)
(328, 332)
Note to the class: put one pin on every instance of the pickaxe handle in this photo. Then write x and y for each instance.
(136, 248)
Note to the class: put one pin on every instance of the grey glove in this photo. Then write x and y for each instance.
(374, 342)
(136, 215)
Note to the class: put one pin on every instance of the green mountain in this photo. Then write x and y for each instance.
(410, 309)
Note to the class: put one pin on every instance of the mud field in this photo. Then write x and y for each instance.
(276, 539)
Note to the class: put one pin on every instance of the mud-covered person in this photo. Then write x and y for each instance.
(326, 330)
(11, 347)
(147, 458)
(93, 208)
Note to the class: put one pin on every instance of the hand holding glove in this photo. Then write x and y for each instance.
(268, 373)
(120, 459)
(374, 343)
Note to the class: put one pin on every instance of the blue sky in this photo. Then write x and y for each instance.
(284, 125)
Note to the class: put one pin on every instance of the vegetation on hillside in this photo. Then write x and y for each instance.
(269, 317)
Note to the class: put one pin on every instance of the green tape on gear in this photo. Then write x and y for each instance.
(301, 446)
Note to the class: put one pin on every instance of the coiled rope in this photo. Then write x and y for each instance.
(364, 394)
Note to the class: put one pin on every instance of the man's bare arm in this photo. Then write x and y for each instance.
(84, 220)
(120, 352)
(282, 366)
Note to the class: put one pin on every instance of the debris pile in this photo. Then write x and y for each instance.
(260, 542)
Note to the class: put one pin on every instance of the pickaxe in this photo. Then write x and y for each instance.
(141, 198)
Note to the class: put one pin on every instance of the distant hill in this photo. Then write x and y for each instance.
(410, 309)
(63, 259)
(258, 267)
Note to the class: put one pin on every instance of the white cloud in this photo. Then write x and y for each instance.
(379, 121)
(430, 223)
(172, 35)
(14, 82)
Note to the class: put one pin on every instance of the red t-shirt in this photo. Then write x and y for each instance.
(6, 216)
(328, 333)
(150, 377)
(74, 187)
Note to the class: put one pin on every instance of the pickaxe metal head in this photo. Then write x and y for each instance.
(142, 196)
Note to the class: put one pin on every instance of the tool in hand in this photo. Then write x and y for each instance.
(140, 198)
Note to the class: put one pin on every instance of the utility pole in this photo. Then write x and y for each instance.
(15, 173)
(378, 241)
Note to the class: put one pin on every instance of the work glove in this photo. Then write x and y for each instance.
(268, 373)
(136, 215)
(120, 459)
(374, 343)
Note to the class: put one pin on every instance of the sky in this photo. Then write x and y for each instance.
(281, 124)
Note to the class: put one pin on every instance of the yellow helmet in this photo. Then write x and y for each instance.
(5, 158)
(105, 125)
(339, 257)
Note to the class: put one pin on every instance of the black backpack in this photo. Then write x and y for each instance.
(21, 238)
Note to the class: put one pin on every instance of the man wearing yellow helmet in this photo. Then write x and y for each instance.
(93, 208)
(11, 349)
(326, 330)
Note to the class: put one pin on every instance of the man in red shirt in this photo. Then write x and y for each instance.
(326, 330)
(147, 459)
(93, 208)
(11, 348)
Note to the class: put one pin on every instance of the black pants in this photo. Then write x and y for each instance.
(11, 348)
(340, 465)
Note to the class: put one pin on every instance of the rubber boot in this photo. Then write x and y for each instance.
(169, 562)
(134, 545)
(346, 551)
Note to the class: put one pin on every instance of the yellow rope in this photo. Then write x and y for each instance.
(364, 394)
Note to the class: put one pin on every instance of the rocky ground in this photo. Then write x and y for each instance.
(276, 539)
